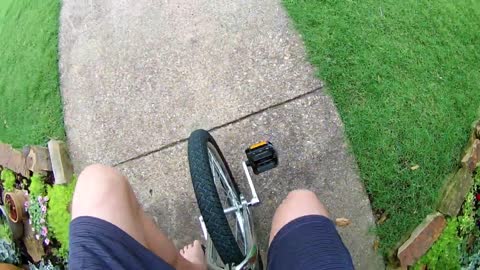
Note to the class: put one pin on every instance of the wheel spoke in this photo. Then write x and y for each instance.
(228, 198)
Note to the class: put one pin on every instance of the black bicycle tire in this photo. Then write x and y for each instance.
(208, 199)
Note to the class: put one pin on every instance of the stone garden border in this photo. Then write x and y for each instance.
(451, 199)
(37, 160)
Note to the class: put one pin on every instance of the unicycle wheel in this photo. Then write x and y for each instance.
(215, 191)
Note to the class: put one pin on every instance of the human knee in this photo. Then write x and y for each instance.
(303, 201)
(301, 194)
(100, 175)
(99, 185)
(298, 203)
(99, 178)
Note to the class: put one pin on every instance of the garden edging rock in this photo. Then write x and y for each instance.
(13, 159)
(38, 160)
(454, 191)
(421, 239)
(61, 165)
(452, 197)
(472, 156)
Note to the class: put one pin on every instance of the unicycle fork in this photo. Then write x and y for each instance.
(226, 220)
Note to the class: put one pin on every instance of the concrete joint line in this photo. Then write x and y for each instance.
(174, 143)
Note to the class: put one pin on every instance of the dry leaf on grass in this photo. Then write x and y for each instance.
(415, 167)
(376, 244)
(342, 222)
(382, 219)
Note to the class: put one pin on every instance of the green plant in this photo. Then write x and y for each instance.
(37, 186)
(8, 252)
(472, 262)
(8, 178)
(445, 253)
(36, 207)
(467, 219)
(5, 232)
(470, 259)
(470, 254)
(37, 211)
(58, 217)
(43, 266)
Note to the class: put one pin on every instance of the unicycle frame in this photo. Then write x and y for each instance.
(245, 221)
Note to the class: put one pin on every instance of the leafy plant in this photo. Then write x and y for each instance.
(473, 262)
(58, 217)
(8, 252)
(37, 210)
(445, 253)
(5, 232)
(8, 178)
(467, 219)
(43, 266)
(470, 257)
(37, 186)
(471, 253)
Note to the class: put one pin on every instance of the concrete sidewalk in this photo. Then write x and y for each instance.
(138, 76)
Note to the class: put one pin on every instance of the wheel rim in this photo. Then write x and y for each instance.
(228, 196)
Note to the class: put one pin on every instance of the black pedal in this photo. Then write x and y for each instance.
(261, 157)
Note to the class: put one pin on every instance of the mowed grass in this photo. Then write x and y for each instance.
(30, 104)
(405, 76)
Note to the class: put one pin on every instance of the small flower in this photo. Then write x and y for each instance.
(42, 220)
(39, 199)
(30, 221)
(45, 199)
(25, 192)
(44, 208)
(26, 204)
(47, 241)
(44, 231)
(37, 237)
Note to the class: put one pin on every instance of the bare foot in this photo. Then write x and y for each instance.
(194, 254)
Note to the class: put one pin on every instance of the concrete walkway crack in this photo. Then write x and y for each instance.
(174, 143)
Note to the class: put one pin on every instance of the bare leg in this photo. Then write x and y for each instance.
(298, 203)
(102, 192)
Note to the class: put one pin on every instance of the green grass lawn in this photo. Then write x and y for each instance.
(405, 76)
(30, 104)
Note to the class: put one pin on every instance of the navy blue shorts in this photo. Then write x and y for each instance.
(309, 242)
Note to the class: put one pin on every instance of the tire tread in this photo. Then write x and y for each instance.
(208, 199)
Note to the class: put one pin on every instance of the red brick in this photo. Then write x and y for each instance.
(421, 239)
